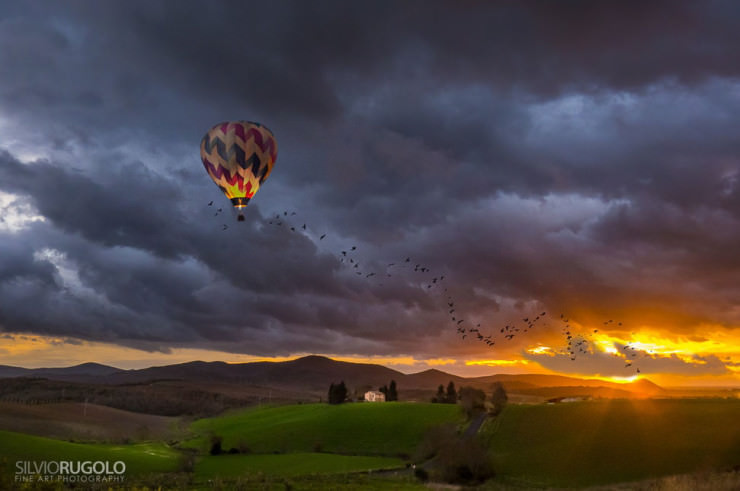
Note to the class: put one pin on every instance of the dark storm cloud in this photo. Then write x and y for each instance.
(101, 275)
(576, 157)
(295, 58)
(16, 262)
(112, 206)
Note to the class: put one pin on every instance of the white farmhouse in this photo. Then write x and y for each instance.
(374, 396)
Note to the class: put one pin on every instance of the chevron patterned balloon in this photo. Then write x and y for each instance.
(238, 156)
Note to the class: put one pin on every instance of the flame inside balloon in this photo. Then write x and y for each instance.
(238, 156)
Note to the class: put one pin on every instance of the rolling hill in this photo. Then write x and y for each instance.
(309, 372)
(208, 387)
(84, 372)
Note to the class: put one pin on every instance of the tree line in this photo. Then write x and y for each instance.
(472, 399)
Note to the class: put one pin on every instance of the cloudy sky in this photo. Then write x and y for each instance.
(576, 158)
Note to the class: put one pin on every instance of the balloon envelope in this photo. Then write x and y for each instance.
(238, 156)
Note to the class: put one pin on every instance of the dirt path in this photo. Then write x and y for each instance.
(474, 425)
(469, 432)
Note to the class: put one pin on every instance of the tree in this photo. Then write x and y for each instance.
(215, 445)
(341, 392)
(473, 400)
(451, 397)
(464, 461)
(384, 390)
(498, 398)
(337, 393)
(392, 394)
(459, 459)
(440, 397)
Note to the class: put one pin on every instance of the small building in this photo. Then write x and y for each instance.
(374, 396)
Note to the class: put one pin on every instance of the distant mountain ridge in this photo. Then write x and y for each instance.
(83, 370)
(315, 373)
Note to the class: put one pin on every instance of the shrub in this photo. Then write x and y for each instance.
(244, 448)
(465, 461)
(421, 474)
(216, 445)
(434, 439)
(458, 460)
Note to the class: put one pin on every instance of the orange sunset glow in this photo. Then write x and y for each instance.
(666, 360)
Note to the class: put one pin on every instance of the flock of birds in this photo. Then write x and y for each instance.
(575, 343)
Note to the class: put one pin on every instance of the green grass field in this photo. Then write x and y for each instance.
(601, 442)
(305, 446)
(140, 458)
(362, 481)
(389, 429)
(289, 465)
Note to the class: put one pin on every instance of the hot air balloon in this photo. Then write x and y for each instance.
(238, 156)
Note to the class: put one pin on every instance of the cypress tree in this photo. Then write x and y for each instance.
(392, 394)
(451, 397)
(440, 397)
